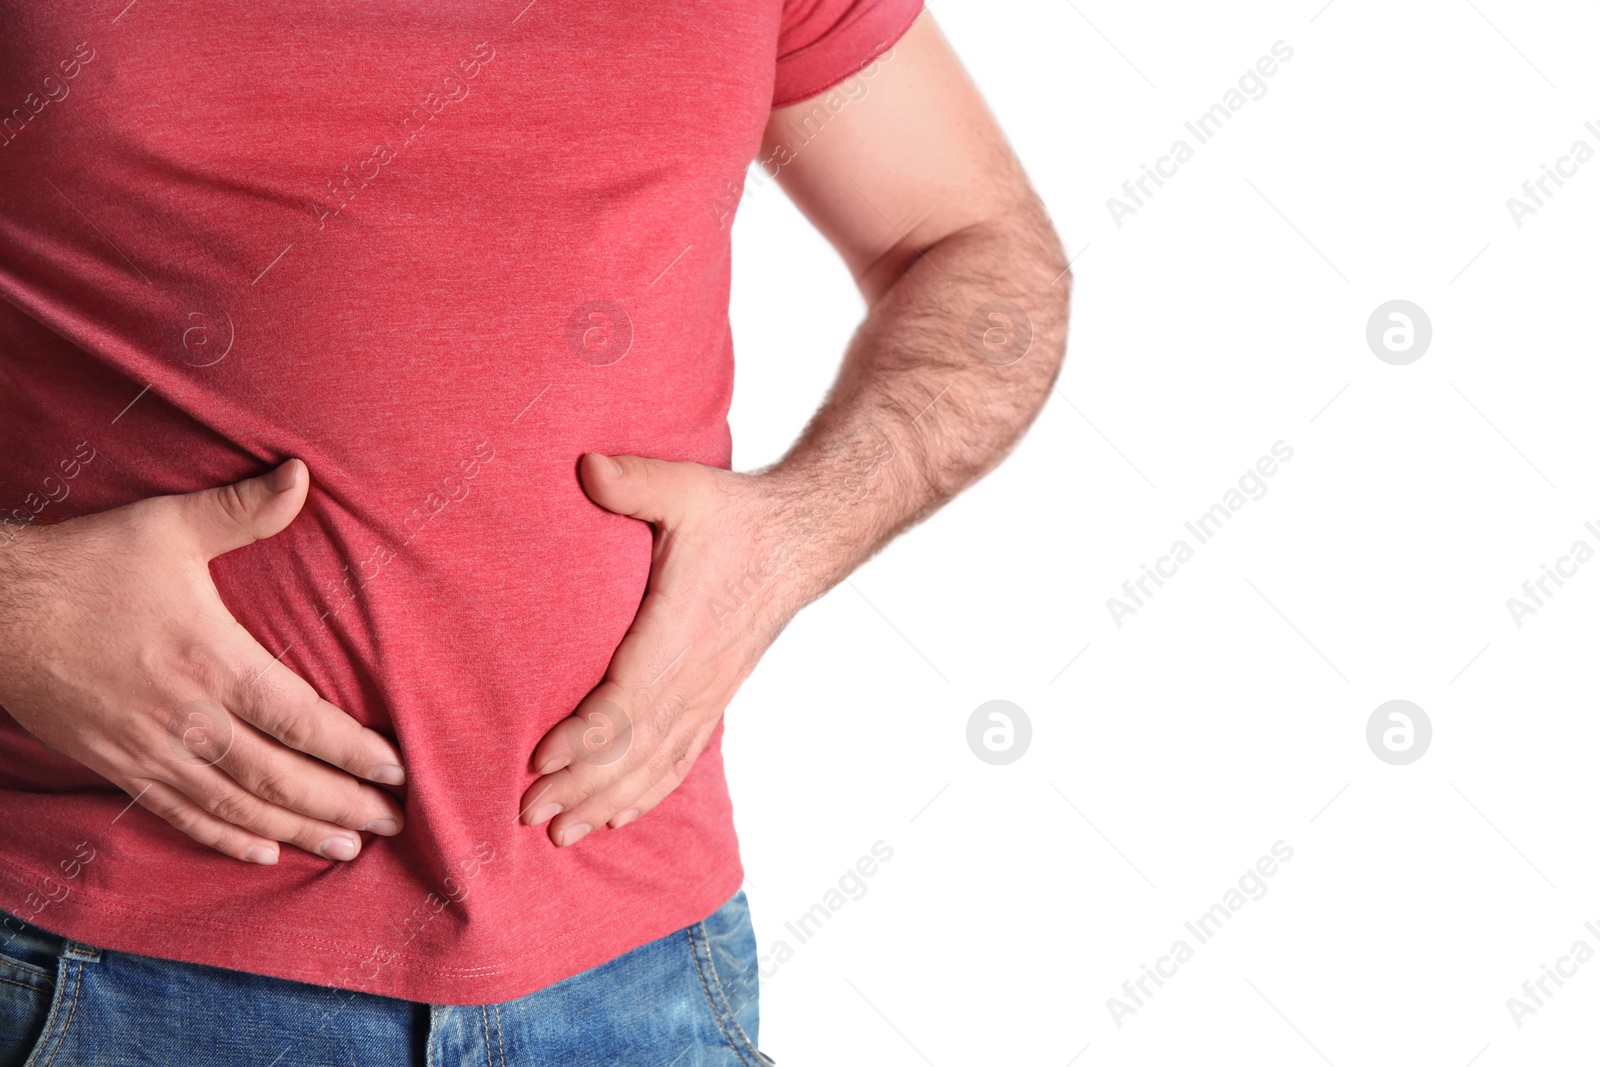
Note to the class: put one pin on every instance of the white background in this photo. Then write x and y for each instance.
(1230, 712)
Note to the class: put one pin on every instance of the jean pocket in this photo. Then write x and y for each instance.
(725, 955)
(29, 963)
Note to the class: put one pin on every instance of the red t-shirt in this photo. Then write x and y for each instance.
(438, 252)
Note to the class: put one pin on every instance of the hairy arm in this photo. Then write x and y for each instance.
(967, 288)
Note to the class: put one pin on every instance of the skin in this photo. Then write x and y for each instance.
(117, 652)
(110, 622)
(915, 187)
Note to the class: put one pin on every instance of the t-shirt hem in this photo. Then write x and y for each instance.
(98, 922)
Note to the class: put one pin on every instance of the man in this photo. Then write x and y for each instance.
(366, 705)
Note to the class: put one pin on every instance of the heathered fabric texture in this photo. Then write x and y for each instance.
(438, 251)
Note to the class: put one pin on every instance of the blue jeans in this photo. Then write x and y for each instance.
(687, 1000)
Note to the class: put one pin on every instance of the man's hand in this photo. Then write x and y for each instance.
(720, 589)
(116, 651)
(912, 182)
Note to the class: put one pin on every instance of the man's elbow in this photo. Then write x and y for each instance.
(1042, 275)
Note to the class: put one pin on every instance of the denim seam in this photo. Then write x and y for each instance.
(11, 961)
(24, 985)
(500, 1033)
(488, 1039)
(59, 1034)
(733, 1015)
(438, 1019)
(716, 1014)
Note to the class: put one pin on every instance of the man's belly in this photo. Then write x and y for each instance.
(447, 584)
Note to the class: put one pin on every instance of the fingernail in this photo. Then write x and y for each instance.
(625, 818)
(264, 856)
(389, 774)
(553, 765)
(386, 827)
(282, 479)
(338, 848)
(573, 833)
(612, 468)
(544, 813)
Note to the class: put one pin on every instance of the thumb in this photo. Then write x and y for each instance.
(232, 516)
(655, 490)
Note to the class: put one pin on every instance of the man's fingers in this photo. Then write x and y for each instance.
(601, 730)
(654, 794)
(624, 731)
(309, 787)
(285, 706)
(630, 796)
(232, 516)
(557, 749)
(598, 734)
(655, 490)
(639, 791)
(222, 798)
(628, 799)
(543, 799)
(185, 815)
(585, 752)
(581, 755)
(554, 793)
(577, 803)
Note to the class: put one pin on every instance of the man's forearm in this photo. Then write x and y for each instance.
(951, 365)
(917, 191)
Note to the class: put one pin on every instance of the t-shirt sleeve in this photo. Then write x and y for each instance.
(823, 42)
